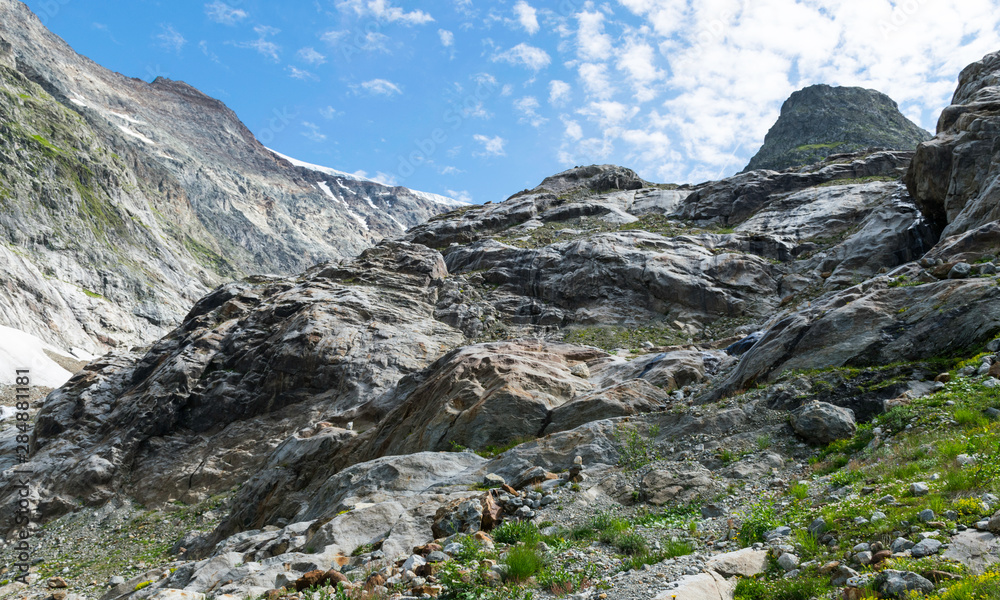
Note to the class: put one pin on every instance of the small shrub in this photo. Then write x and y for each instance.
(759, 519)
(970, 419)
(979, 587)
(763, 442)
(799, 491)
(635, 451)
(522, 562)
(512, 532)
(631, 543)
(783, 589)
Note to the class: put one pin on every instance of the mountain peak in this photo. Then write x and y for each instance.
(822, 120)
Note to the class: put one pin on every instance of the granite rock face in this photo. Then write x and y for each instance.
(820, 121)
(955, 177)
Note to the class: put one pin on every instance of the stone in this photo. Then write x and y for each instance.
(919, 488)
(174, 594)
(703, 586)
(57, 582)
(884, 500)
(926, 515)
(925, 547)
(788, 561)
(461, 516)
(530, 477)
(743, 563)
(881, 556)
(841, 574)
(900, 544)
(822, 423)
(863, 558)
(899, 584)
(712, 510)
(978, 550)
(414, 561)
(116, 581)
(817, 528)
(493, 480)
(684, 485)
(994, 371)
(960, 271)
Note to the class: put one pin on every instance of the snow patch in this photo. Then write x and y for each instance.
(136, 135)
(435, 198)
(125, 117)
(329, 193)
(20, 350)
(79, 102)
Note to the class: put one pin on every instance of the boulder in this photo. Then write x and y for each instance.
(462, 516)
(899, 584)
(620, 400)
(743, 563)
(822, 423)
(677, 486)
(703, 586)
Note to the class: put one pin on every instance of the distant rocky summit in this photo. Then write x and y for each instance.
(821, 120)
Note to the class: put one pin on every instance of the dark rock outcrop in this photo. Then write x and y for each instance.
(820, 121)
(955, 177)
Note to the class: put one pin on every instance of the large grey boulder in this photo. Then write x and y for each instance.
(899, 584)
(743, 563)
(822, 423)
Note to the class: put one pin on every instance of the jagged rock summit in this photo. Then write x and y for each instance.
(822, 120)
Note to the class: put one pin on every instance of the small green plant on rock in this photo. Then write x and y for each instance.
(634, 450)
(759, 518)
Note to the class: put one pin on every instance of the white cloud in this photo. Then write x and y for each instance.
(559, 92)
(573, 131)
(447, 37)
(333, 36)
(170, 38)
(460, 195)
(385, 11)
(329, 112)
(311, 56)
(312, 132)
(296, 73)
(527, 16)
(220, 12)
(592, 43)
(492, 146)
(381, 87)
(638, 61)
(451, 170)
(263, 45)
(595, 80)
(525, 55)
(607, 114)
(527, 108)
(385, 179)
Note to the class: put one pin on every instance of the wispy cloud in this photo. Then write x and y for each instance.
(263, 45)
(447, 37)
(312, 132)
(296, 73)
(379, 87)
(559, 92)
(527, 16)
(527, 109)
(492, 146)
(383, 10)
(311, 56)
(525, 55)
(220, 12)
(170, 39)
(460, 195)
(329, 112)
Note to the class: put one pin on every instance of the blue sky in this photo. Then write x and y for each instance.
(478, 100)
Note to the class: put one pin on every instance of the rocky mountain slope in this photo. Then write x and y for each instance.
(776, 386)
(821, 121)
(123, 202)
